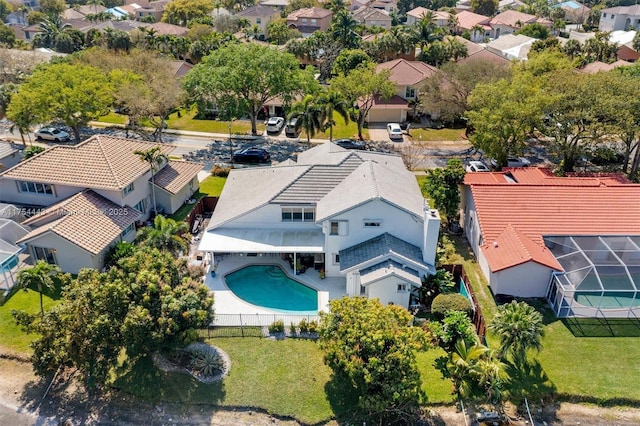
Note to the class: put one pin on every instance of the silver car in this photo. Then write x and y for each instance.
(52, 134)
(275, 124)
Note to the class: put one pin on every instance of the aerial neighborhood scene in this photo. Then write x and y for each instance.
(307, 212)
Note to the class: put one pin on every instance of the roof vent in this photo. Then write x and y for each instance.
(495, 244)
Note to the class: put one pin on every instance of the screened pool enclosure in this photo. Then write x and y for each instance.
(601, 277)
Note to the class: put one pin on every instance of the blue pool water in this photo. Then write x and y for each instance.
(268, 286)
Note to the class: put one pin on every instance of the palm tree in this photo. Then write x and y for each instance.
(427, 30)
(520, 328)
(329, 103)
(343, 29)
(40, 276)
(308, 115)
(155, 158)
(166, 235)
(95, 4)
(462, 366)
(476, 29)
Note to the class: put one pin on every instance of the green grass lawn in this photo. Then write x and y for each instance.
(210, 187)
(12, 338)
(114, 118)
(444, 134)
(186, 121)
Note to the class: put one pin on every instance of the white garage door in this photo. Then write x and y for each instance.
(387, 115)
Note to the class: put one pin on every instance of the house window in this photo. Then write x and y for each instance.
(410, 92)
(363, 290)
(127, 230)
(258, 20)
(298, 214)
(35, 188)
(127, 189)
(314, 21)
(336, 259)
(335, 228)
(372, 223)
(304, 21)
(604, 15)
(402, 288)
(44, 253)
(613, 16)
(141, 206)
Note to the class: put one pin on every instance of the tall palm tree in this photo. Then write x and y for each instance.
(427, 30)
(40, 276)
(343, 29)
(166, 235)
(308, 115)
(329, 103)
(155, 158)
(520, 328)
(463, 366)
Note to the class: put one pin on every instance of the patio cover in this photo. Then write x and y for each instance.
(262, 241)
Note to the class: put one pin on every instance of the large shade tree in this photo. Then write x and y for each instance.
(373, 348)
(363, 87)
(240, 79)
(72, 94)
(148, 302)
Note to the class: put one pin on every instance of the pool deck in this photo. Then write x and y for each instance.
(228, 303)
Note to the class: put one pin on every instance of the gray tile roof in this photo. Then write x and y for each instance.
(378, 247)
(7, 149)
(387, 264)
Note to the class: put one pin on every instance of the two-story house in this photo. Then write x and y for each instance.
(310, 19)
(510, 21)
(91, 195)
(622, 18)
(361, 215)
(259, 16)
(440, 18)
(372, 17)
(407, 76)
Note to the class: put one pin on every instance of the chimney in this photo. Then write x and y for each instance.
(430, 233)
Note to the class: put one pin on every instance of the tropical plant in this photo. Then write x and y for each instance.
(520, 328)
(329, 103)
(309, 116)
(39, 277)
(434, 284)
(276, 327)
(343, 30)
(206, 362)
(155, 158)
(31, 151)
(165, 235)
(443, 187)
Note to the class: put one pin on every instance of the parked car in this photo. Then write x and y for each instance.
(477, 166)
(513, 162)
(275, 124)
(251, 155)
(290, 129)
(350, 144)
(52, 134)
(395, 132)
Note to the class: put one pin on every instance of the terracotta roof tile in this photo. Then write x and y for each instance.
(467, 20)
(310, 12)
(405, 72)
(175, 175)
(86, 219)
(101, 161)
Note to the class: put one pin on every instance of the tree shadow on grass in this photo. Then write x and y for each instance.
(603, 327)
(528, 381)
(343, 400)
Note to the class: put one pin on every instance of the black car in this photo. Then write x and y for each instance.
(350, 144)
(251, 155)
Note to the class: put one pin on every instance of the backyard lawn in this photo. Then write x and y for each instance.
(211, 186)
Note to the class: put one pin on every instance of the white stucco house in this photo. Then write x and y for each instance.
(574, 240)
(359, 216)
(86, 197)
(620, 18)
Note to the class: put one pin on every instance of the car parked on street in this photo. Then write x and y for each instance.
(275, 124)
(52, 134)
(395, 131)
(290, 129)
(513, 162)
(350, 144)
(251, 155)
(476, 166)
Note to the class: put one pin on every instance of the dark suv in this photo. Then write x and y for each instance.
(350, 144)
(251, 155)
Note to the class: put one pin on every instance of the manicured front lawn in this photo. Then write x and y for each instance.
(114, 118)
(186, 121)
(12, 338)
(444, 134)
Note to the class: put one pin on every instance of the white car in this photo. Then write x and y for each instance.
(52, 134)
(275, 124)
(477, 166)
(513, 162)
(395, 132)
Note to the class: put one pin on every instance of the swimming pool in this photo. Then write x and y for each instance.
(269, 287)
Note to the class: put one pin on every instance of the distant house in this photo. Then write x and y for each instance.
(538, 235)
(477, 25)
(389, 6)
(359, 216)
(81, 11)
(310, 19)
(597, 66)
(476, 52)
(624, 41)
(278, 4)
(153, 8)
(92, 194)
(10, 155)
(510, 21)
(441, 19)
(620, 18)
(371, 17)
(512, 46)
(407, 76)
(259, 16)
(575, 12)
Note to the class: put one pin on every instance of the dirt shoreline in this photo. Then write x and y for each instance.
(21, 403)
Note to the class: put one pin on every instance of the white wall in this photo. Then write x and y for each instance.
(68, 256)
(470, 220)
(394, 221)
(527, 280)
(172, 202)
(9, 193)
(386, 290)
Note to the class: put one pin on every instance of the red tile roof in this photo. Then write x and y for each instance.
(535, 204)
(407, 73)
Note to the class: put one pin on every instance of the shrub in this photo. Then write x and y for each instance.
(206, 363)
(277, 327)
(450, 302)
(292, 328)
(220, 171)
(304, 326)
(313, 326)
